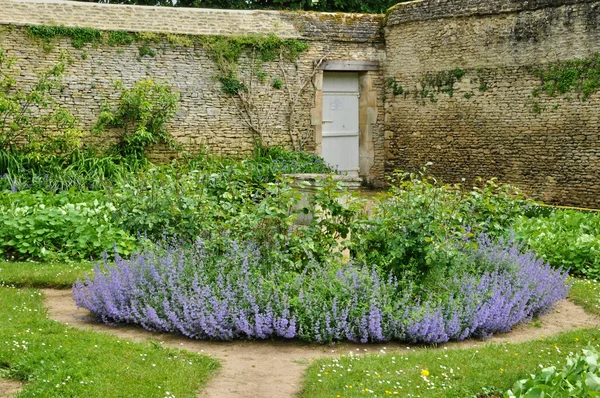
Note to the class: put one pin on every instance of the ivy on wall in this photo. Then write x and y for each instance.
(248, 87)
(575, 77)
(430, 86)
(578, 76)
(226, 52)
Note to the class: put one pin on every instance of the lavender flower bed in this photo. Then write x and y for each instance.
(241, 296)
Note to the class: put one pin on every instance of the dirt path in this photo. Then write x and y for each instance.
(274, 369)
(9, 388)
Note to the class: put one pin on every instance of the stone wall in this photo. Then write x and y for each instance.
(490, 124)
(486, 123)
(207, 118)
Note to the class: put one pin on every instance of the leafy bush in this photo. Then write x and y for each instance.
(30, 120)
(62, 227)
(410, 232)
(207, 196)
(216, 206)
(565, 238)
(164, 201)
(268, 163)
(579, 378)
(142, 112)
(240, 294)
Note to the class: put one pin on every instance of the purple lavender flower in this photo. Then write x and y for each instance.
(237, 295)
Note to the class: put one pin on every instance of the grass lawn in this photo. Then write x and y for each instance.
(457, 373)
(59, 361)
(586, 293)
(53, 275)
(56, 360)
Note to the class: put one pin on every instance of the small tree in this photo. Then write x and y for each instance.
(30, 119)
(142, 112)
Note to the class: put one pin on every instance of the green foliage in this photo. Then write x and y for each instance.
(394, 86)
(226, 52)
(579, 378)
(440, 82)
(581, 76)
(79, 36)
(230, 85)
(22, 125)
(218, 200)
(146, 50)
(565, 238)
(79, 170)
(7, 161)
(277, 84)
(268, 163)
(65, 226)
(415, 232)
(120, 37)
(142, 112)
(205, 196)
(57, 360)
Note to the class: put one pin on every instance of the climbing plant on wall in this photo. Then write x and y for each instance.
(30, 119)
(141, 115)
(254, 91)
(579, 76)
(253, 88)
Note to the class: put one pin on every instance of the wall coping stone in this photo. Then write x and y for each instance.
(422, 10)
(193, 21)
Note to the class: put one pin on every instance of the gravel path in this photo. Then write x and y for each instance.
(271, 369)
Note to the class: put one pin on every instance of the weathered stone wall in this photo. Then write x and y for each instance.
(492, 126)
(207, 117)
(486, 124)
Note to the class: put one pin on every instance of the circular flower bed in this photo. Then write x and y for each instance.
(239, 295)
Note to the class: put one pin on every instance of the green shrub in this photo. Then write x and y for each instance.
(418, 227)
(565, 238)
(579, 378)
(22, 128)
(142, 112)
(224, 203)
(67, 226)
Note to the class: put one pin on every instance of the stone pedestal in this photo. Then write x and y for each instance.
(308, 184)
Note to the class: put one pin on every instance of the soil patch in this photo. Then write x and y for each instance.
(275, 368)
(9, 388)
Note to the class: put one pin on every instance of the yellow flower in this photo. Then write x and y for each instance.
(425, 372)
(576, 339)
(501, 369)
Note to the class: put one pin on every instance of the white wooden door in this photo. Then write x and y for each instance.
(340, 121)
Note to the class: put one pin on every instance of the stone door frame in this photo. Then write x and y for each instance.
(367, 105)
